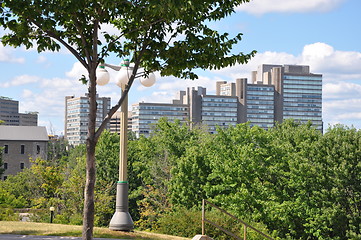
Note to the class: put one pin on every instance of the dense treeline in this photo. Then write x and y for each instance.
(291, 180)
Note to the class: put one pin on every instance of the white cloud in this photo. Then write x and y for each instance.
(341, 90)
(343, 111)
(6, 55)
(20, 80)
(322, 58)
(158, 97)
(259, 7)
(47, 97)
(325, 58)
(76, 71)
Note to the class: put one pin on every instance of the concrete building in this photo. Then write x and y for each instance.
(275, 93)
(114, 124)
(76, 117)
(21, 143)
(212, 110)
(146, 115)
(297, 94)
(9, 113)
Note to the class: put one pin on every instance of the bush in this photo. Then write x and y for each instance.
(188, 223)
(7, 214)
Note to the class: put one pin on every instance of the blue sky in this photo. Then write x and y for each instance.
(324, 34)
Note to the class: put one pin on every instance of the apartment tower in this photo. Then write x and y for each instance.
(76, 117)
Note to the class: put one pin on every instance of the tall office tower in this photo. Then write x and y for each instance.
(9, 113)
(76, 117)
(298, 93)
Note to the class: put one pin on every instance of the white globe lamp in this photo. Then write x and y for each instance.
(123, 76)
(102, 76)
(148, 81)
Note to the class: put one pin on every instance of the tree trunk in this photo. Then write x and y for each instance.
(88, 214)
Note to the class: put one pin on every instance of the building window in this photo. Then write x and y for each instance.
(5, 166)
(22, 165)
(22, 149)
(5, 177)
(37, 149)
(6, 149)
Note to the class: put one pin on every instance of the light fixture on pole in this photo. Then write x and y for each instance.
(121, 220)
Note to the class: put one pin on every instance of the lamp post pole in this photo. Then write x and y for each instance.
(121, 220)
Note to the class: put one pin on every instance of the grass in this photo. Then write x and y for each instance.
(47, 229)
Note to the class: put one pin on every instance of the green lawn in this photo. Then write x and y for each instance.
(47, 229)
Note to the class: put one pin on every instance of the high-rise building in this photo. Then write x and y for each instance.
(297, 93)
(9, 113)
(146, 115)
(275, 93)
(76, 117)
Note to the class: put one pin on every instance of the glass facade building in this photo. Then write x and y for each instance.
(302, 98)
(260, 105)
(218, 111)
(146, 115)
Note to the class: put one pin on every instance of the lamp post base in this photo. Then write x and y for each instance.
(121, 220)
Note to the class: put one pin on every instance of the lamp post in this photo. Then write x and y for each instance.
(121, 220)
(52, 209)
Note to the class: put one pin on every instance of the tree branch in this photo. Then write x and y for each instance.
(65, 44)
(124, 94)
(131, 31)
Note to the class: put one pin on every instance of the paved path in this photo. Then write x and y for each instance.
(33, 237)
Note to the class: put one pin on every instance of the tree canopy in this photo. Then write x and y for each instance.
(171, 37)
(291, 180)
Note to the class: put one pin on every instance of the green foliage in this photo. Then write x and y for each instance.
(291, 181)
(156, 35)
(165, 36)
(8, 214)
(9, 200)
(25, 184)
(187, 223)
(107, 156)
(50, 176)
(57, 150)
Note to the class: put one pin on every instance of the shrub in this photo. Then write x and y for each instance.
(187, 223)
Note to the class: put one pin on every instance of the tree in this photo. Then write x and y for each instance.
(156, 35)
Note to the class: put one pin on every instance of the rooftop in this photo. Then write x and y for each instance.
(23, 133)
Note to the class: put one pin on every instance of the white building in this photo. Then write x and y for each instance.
(76, 117)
